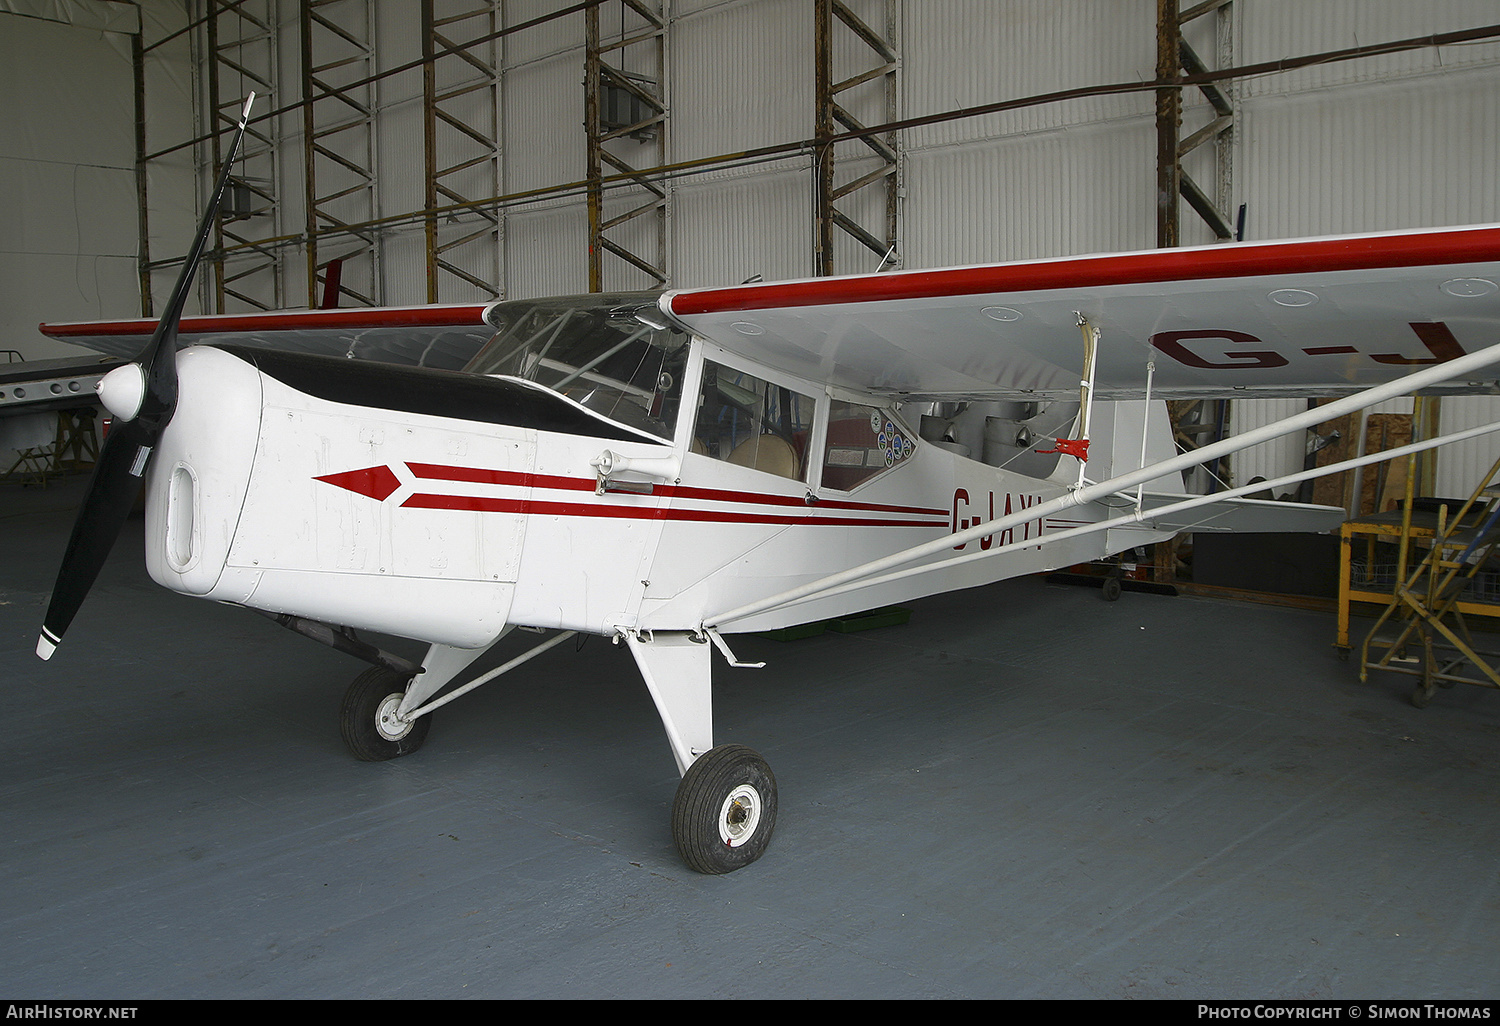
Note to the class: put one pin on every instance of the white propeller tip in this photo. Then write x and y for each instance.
(45, 647)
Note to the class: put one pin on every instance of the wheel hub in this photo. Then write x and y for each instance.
(740, 815)
(387, 721)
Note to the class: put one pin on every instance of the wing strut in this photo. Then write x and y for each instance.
(529, 654)
(1460, 367)
(1145, 434)
(1078, 447)
(1147, 518)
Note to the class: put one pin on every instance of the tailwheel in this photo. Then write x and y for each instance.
(725, 810)
(368, 721)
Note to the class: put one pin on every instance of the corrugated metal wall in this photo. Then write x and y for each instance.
(1388, 142)
(1381, 142)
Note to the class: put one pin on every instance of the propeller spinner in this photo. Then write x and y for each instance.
(143, 399)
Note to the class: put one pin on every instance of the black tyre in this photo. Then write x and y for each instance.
(367, 718)
(1110, 589)
(725, 810)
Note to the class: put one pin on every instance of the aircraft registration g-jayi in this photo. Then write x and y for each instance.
(666, 470)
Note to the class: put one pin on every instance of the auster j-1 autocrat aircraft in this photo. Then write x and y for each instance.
(670, 470)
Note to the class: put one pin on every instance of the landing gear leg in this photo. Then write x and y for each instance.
(725, 809)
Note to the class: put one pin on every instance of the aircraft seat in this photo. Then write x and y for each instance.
(770, 453)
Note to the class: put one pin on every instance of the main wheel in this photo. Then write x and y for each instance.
(725, 810)
(367, 719)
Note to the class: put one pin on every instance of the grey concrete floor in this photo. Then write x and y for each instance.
(1024, 793)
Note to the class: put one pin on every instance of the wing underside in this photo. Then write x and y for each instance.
(1317, 317)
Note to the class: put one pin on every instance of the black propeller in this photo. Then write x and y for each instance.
(131, 440)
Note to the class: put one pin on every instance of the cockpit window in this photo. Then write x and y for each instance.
(752, 423)
(610, 352)
(862, 441)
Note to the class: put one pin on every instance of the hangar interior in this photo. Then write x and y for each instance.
(1022, 792)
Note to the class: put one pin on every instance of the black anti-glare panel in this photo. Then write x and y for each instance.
(434, 393)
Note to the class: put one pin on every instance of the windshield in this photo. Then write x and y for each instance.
(595, 350)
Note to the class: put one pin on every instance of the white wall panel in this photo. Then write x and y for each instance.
(1463, 465)
(1044, 194)
(403, 266)
(543, 116)
(400, 166)
(1371, 157)
(741, 77)
(1272, 459)
(547, 252)
(730, 229)
(967, 53)
(545, 40)
(67, 173)
(1271, 30)
(400, 186)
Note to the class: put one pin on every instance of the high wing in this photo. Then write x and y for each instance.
(445, 337)
(1315, 317)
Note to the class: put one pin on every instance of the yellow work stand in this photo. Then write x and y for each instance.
(1422, 631)
(1365, 581)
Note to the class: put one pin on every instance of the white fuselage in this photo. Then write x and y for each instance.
(445, 530)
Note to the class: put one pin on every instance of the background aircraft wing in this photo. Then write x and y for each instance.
(1314, 317)
(441, 336)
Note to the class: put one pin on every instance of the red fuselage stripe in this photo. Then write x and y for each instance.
(485, 504)
(435, 472)
(515, 478)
